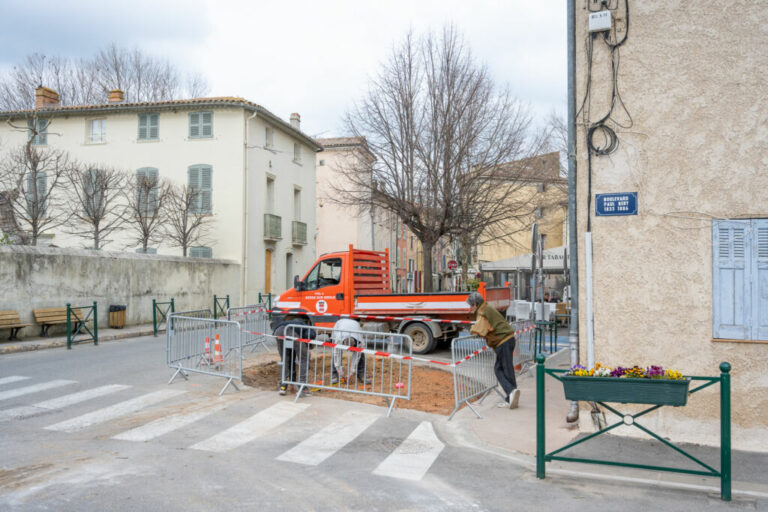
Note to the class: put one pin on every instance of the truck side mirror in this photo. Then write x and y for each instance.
(297, 284)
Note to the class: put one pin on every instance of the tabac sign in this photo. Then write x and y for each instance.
(620, 203)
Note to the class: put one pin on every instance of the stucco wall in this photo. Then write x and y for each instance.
(696, 152)
(39, 277)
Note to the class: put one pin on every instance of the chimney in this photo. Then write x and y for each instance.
(115, 96)
(46, 98)
(295, 120)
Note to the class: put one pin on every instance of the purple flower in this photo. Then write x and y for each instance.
(618, 371)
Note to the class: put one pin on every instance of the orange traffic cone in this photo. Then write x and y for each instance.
(208, 349)
(217, 358)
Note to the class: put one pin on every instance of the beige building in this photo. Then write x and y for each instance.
(256, 171)
(683, 283)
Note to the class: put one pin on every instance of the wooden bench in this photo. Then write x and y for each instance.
(10, 320)
(47, 317)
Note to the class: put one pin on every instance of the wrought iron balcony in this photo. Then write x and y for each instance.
(273, 225)
(299, 233)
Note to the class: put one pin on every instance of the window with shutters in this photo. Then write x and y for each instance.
(149, 126)
(200, 252)
(37, 186)
(97, 131)
(38, 131)
(146, 190)
(200, 125)
(201, 181)
(740, 279)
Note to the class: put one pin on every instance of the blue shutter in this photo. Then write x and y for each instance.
(206, 124)
(731, 279)
(760, 280)
(154, 126)
(143, 122)
(194, 183)
(206, 182)
(194, 125)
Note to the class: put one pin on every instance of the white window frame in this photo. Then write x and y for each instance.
(91, 137)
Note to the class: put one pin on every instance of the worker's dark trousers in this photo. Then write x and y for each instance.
(504, 367)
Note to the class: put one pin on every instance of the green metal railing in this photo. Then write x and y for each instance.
(160, 311)
(79, 316)
(268, 298)
(220, 306)
(630, 419)
(543, 327)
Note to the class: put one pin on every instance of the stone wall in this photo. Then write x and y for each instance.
(42, 277)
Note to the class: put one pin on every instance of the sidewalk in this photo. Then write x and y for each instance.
(512, 434)
(60, 340)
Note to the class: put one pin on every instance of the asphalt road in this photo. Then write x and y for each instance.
(99, 428)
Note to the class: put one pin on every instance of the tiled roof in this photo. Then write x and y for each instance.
(337, 142)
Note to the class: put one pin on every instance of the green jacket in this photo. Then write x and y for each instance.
(492, 326)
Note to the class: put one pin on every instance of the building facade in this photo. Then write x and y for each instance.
(682, 281)
(257, 172)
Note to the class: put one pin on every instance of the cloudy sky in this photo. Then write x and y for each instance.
(311, 57)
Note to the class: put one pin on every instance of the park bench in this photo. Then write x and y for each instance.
(10, 320)
(47, 317)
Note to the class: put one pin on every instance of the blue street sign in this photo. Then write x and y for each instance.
(620, 203)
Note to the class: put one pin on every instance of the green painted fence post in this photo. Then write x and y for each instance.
(540, 417)
(95, 324)
(227, 302)
(259, 297)
(214, 307)
(725, 431)
(69, 329)
(173, 308)
(154, 316)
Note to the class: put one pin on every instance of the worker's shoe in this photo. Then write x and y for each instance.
(362, 380)
(283, 389)
(334, 379)
(514, 398)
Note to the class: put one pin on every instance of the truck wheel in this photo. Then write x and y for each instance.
(423, 341)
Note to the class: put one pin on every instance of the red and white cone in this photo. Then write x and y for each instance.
(208, 349)
(217, 358)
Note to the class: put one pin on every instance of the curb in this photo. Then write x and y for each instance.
(62, 342)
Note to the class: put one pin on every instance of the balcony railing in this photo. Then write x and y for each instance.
(273, 227)
(299, 233)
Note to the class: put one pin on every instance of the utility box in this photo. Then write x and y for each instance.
(600, 21)
(116, 317)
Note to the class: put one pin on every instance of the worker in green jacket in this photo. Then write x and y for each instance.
(500, 336)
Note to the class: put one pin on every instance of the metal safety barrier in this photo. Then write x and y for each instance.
(254, 321)
(473, 376)
(362, 362)
(160, 312)
(220, 305)
(526, 347)
(77, 323)
(204, 345)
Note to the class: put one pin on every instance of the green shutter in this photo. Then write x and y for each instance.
(154, 126)
(206, 124)
(206, 186)
(194, 125)
(143, 121)
(194, 183)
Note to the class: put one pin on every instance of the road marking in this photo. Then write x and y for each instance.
(315, 449)
(12, 378)
(13, 393)
(114, 411)
(413, 458)
(163, 426)
(252, 428)
(59, 403)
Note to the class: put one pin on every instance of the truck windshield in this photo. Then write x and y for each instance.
(325, 273)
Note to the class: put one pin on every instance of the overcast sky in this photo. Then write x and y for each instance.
(310, 57)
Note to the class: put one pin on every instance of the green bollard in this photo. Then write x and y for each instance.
(69, 328)
(95, 324)
(214, 307)
(725, 431)
(173, 308)
(154, 316)
(540, 417)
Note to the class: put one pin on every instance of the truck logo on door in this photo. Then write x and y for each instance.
(321, 306)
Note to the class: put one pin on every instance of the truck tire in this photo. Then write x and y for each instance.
(423, 341)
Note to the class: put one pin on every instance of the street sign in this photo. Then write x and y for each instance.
(620, 203)
(453, 264)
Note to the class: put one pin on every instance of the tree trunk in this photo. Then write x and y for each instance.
(466, 253)
(426, 263)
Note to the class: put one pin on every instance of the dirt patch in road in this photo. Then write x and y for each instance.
(431, 389)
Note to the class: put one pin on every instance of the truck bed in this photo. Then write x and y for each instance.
(437, 303)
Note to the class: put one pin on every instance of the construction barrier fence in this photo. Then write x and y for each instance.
(363, 362)
(204, 345)
(254, 321)
(473, 376)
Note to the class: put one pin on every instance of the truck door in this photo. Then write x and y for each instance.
(323, 291)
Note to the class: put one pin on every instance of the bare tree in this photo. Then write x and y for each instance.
(187, 226)
(89, 80)
(146, 197)
(95, 203)
(438, 126)
(30, 176)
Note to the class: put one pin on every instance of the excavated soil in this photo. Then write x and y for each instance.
(431, 389)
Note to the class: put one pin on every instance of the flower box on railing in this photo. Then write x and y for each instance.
(626, 390)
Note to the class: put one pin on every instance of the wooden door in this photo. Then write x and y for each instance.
(268, 271)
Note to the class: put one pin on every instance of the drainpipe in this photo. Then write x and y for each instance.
(573, 246)
(244, 272)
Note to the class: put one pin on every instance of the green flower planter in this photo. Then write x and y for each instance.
(626, 391)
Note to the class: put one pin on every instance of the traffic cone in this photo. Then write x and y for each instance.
(217, 358)
(208, 349)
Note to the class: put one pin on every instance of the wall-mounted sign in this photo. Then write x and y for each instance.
(453, 264)
(620, 203)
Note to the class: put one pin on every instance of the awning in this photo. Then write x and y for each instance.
(552, 258)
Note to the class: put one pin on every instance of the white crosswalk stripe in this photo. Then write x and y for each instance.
(114, 411)
(321, 445)
(413, 458)
(12, 378)
(163, 426)
(43, 386)
(59, 403)
(252, 428)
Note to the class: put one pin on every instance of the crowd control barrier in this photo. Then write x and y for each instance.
(254, 321)
(362, 362)
(204, 345)
(472, 364)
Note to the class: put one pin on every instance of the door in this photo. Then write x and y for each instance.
(323, 291)
(268, 271)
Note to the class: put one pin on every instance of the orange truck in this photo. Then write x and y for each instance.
(356, 284)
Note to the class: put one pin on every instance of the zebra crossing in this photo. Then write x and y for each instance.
(411, 460)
